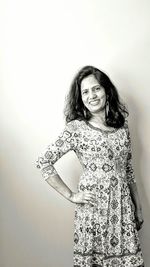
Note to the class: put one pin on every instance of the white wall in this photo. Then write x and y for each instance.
(43, 44)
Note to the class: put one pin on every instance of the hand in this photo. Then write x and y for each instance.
(139, 218)
(83, 197)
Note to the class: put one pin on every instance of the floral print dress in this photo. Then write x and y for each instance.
(105, 234)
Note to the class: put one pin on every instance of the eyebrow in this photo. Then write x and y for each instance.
(92, 87)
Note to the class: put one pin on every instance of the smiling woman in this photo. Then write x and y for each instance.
(93, 97)
(107, 208)
(93, 94)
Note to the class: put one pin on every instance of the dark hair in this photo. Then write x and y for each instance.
(75, 109)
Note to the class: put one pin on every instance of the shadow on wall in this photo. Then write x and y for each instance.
(140, 159)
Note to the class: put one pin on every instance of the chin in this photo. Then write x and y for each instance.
(96, 110)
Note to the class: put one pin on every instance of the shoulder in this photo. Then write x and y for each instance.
(127, 129)
(126, 124)
(73, 125)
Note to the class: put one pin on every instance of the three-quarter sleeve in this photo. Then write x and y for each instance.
(129, 163)
(66, 141)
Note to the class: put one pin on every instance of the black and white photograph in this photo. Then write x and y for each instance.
(75, 146)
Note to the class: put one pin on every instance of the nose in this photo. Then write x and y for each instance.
(92, 95)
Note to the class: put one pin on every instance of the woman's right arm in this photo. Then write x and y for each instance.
(80, 197)
(65, 142)
(58, 184)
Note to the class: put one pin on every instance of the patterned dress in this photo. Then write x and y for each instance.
(105, 234)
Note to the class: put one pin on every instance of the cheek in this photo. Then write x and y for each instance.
(104, 97)
(84, 100)
(103, 94)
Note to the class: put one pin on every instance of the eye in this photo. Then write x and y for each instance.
(97, 88)
(84, 92)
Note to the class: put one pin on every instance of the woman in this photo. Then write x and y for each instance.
(108, 214)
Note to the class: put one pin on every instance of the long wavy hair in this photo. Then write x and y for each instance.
(75, 109)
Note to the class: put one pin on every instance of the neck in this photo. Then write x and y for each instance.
(98, 117)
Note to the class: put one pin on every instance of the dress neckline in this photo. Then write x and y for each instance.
(100, 129)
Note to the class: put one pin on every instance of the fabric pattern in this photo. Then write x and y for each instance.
(105, 234)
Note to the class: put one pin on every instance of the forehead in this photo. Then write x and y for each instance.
(89, 81)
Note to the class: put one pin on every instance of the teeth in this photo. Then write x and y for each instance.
(94, 102)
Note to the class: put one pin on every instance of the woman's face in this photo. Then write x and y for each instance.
(93, 94)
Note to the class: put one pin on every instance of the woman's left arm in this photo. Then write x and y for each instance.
(135, 196)
(132, 184)
(137, 204)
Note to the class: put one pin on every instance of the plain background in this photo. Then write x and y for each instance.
(43, 44)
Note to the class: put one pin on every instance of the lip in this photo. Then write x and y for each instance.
(94, 101)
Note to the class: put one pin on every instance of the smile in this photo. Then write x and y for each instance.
(94, 102)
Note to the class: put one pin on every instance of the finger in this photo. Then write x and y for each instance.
(139, 225)
(87, 197)
(89, 193)
(92, 203)
(89, 202)
(90, 198)
(139, 219)
(86, 201)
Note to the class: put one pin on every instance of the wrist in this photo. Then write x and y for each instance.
(71, 197)
(138, 206)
